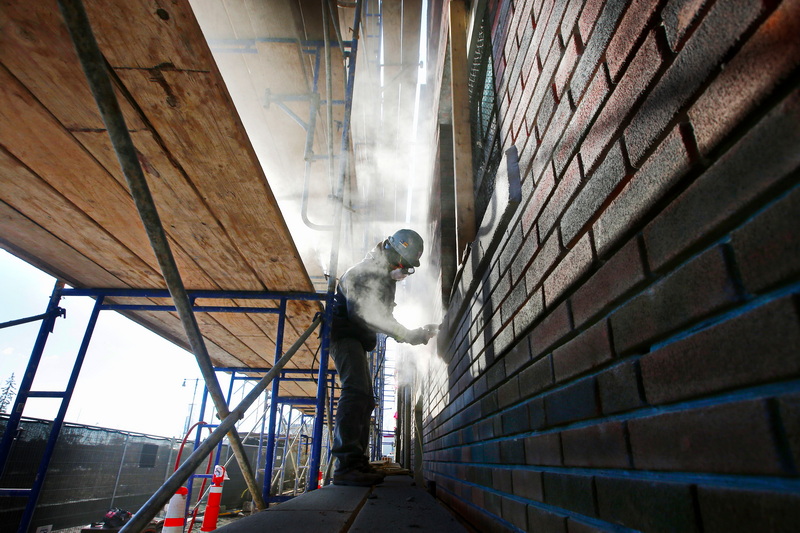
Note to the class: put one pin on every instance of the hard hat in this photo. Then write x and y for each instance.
(408, 244)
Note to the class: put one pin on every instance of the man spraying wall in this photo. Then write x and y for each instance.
(363, 307)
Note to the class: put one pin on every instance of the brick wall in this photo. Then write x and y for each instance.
(630, 358)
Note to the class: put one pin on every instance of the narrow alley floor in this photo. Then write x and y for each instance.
(395, 505)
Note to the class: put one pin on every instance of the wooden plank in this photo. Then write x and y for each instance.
(37, 50)
(143, 35)
(459, 76)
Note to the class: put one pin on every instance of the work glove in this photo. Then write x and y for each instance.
(422, 335)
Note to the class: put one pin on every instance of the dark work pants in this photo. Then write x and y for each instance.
(356, 402)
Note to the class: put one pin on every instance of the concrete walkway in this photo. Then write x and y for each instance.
(395, 505)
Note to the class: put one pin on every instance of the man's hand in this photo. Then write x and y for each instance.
(423, 335)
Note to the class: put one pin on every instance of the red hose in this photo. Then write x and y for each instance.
(208, 469)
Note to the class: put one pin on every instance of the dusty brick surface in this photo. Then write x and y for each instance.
(789, 412)
(730, 510)
(601, 33)
(537, 377)
(566, 67)
(584, 114)
(719, 31)
(597, 189)
(628, 91)
(527, 484)
(768, 247)
(565, 189)
(757, 347)
(653, 506)
(552, 329)
(596, 446)
(569, 491)
(568, 271)
(763, 157)
(698, 289)
(766, 60)
(658, 175)
(678, 16)
(543, 450)
(732, 438)
(630, 29)
(621, 274)
(586, 351)
(540, 519)
(515, 512)
(542, 262)
(577, 401)
(619, 388)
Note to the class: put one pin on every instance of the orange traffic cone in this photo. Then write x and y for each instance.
(214, 496)
(176, 512)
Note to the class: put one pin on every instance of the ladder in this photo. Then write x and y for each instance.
(9, 436)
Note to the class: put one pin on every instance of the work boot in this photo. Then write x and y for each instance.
(358, 476)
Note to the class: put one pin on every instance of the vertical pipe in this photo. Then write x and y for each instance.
(94, 67)
(30, 372)
(59, 420)
(269, 460)
(119, 470)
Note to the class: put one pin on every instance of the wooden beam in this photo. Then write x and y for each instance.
(462, 142)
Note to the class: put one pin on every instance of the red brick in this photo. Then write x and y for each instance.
(766, 60)
(537, 377)
(527, 484)
(544, 156)
(765, 156)
(571, 492)
(596, 44)
(530, 311)
(630, 29)
(678, 16)
(629, 90)
(668, 164)
(543, 449)
(589, 14)
(622, 273)
(578, 526)
(501, 479)
(598, 187)
(733, 510)
(705, 50)
(768, 247)
(577, 401)
(566, 66)
(541, 193)
(515, 512)
(553, 328)
(518, 357)
(597, 446)
(620, 388)
(563, 194)
(644, 505)
(733, 438)
(542, 263)
(584, 114)
(542, 21)
(568, 271)
(540, 519)
(757, 347)
(586, 351)
(690, 294)
(570, 19)
(537, 112)
(789, 410)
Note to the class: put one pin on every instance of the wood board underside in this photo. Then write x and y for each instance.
(64, 204)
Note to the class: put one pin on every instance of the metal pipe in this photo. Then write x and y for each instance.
(45, 329)
(94, 67)
(163, 494)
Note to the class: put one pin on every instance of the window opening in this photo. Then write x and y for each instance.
(486, 153)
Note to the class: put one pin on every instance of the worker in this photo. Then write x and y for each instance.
(363, 307)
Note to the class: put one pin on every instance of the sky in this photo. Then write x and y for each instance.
(131, 378)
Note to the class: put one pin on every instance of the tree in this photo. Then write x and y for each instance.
(7, 393)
